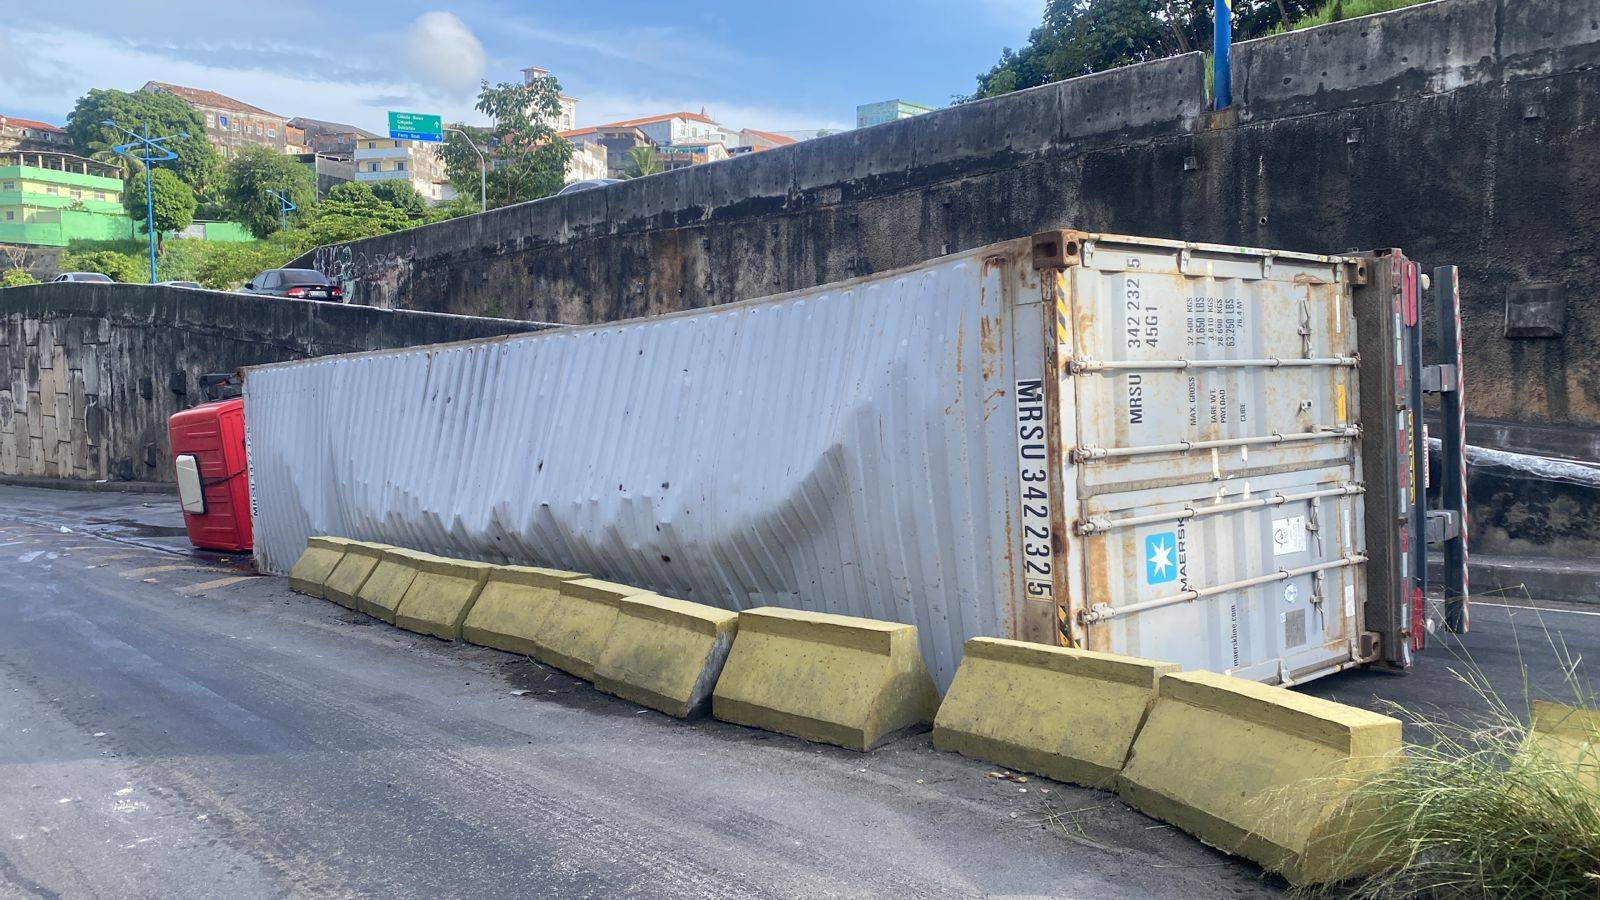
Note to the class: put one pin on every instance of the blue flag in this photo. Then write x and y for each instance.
(1221, 65)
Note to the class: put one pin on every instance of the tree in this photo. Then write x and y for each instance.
(256, 172)
(530, 158)
(643, 160)
(352, 210)
(173, 201)
(198, 165)
(1078, 37)
(399, 194)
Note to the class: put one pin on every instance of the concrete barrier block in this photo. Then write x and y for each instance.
(440, 596)
(833, 679)
(578, 623)
(665, 653)
(1565, 736)
(380, 595)
(315, 564)
(512, 607)
(1256, 770)
(360, 558)
(1066, 714)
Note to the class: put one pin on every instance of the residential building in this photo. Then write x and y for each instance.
(677, 128)
(691, 153)
(588, 161)
(568, 117)
(419, 162)
(751, 140)
(888, 111)
(615, 140)
(27, 134)
(231, 125)
(294, 140)
(48, 199)
(334, 138)
(331, 169)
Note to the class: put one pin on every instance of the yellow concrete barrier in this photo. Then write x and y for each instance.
(579, 620)
(440, 596)
(360, 558)
(665, 653)
(1066, 714)
(1565, 736)
(380, 595)
(512, 607)
(834, 679)
(1256, 770)
(316, 562)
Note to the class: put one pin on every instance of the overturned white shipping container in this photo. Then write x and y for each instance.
(1142, 446)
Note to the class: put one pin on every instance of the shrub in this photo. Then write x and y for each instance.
(120, 266)
(16, 278)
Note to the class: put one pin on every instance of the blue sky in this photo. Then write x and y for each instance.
(750, 64)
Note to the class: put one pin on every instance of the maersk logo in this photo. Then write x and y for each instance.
(1161, 557)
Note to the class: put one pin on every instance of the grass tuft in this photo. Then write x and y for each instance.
(1484, 808)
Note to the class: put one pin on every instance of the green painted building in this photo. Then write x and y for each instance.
(50, 199)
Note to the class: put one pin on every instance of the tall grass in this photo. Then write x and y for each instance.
(1477, 809)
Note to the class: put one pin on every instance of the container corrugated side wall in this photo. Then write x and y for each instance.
(848, 449)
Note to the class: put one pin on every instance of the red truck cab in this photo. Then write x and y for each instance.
(208, 456)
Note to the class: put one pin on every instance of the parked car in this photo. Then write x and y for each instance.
(297, 284)
(92, 277)
(586, 184)
(195, 285)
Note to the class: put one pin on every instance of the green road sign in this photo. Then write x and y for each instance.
(404, 126)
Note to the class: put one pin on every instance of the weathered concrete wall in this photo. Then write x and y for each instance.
(90, 373)
(1465, 131)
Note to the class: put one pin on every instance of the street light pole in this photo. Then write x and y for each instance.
(147, 150)
(285, 206)
(483, 170)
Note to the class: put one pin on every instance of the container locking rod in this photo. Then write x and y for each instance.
(1088, 366)
(1101, 524)
(1090, 451)
(1101, 612)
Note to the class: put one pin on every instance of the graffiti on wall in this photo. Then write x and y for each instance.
(372, 279)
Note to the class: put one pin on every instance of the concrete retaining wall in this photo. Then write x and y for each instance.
(1465, 131)
(89, 373)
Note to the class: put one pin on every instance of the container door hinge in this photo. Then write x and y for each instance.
(1442, 526)
(1440, 379)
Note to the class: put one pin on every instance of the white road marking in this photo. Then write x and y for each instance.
(175, 567)
(1542, 609)
(203, 586)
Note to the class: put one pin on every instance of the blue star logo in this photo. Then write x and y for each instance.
(1161, 557)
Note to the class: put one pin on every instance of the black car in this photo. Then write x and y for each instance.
(296, 284)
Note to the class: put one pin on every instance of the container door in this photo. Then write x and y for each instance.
(1214, 457)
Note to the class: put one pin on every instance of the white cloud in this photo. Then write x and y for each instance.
(444, 54)
(57, 66)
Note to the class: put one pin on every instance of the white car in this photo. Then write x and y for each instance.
(93, 277)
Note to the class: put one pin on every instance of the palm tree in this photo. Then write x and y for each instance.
(642, 161)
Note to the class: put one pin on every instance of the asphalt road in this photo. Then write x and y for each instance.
(172, 726)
